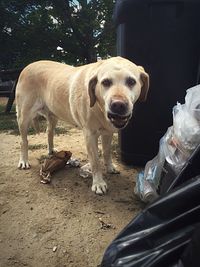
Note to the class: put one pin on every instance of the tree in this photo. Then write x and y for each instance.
(75, 32)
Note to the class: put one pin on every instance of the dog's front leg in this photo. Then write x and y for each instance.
(106, 145)
(99, 186)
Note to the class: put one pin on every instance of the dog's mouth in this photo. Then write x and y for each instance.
(118, 121)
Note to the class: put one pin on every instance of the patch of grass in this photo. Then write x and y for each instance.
(3, 106)
(37, 146)
(8, 123)
(60, 130)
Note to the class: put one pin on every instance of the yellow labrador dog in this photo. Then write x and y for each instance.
(98, 98)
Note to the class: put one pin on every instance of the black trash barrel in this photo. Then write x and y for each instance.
(164, 37)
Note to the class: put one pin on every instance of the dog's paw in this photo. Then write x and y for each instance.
(112, 170)
(99, 188)
(23, 164)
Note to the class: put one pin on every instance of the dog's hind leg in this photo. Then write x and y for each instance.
(23, 123)
(28, 107)
(51, 124)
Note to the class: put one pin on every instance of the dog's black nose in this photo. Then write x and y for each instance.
(118, 107)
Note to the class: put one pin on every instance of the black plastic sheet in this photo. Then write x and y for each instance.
(159, 235)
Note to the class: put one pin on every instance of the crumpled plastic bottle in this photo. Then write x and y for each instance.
(144, 189)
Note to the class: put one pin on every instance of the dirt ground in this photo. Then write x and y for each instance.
(59, 224)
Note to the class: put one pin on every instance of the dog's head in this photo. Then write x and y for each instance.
(116, 86)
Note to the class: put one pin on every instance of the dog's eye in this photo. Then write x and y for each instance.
(130, 82)
(107, 82)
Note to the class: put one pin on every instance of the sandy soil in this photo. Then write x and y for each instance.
(58, 224)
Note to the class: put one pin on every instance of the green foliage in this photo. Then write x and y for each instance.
(32, 30)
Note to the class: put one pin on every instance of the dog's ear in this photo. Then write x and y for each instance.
(145, 84)
(91, 90)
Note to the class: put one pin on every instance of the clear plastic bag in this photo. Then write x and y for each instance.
(186, 129)
(192, 102)
(175, 146)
